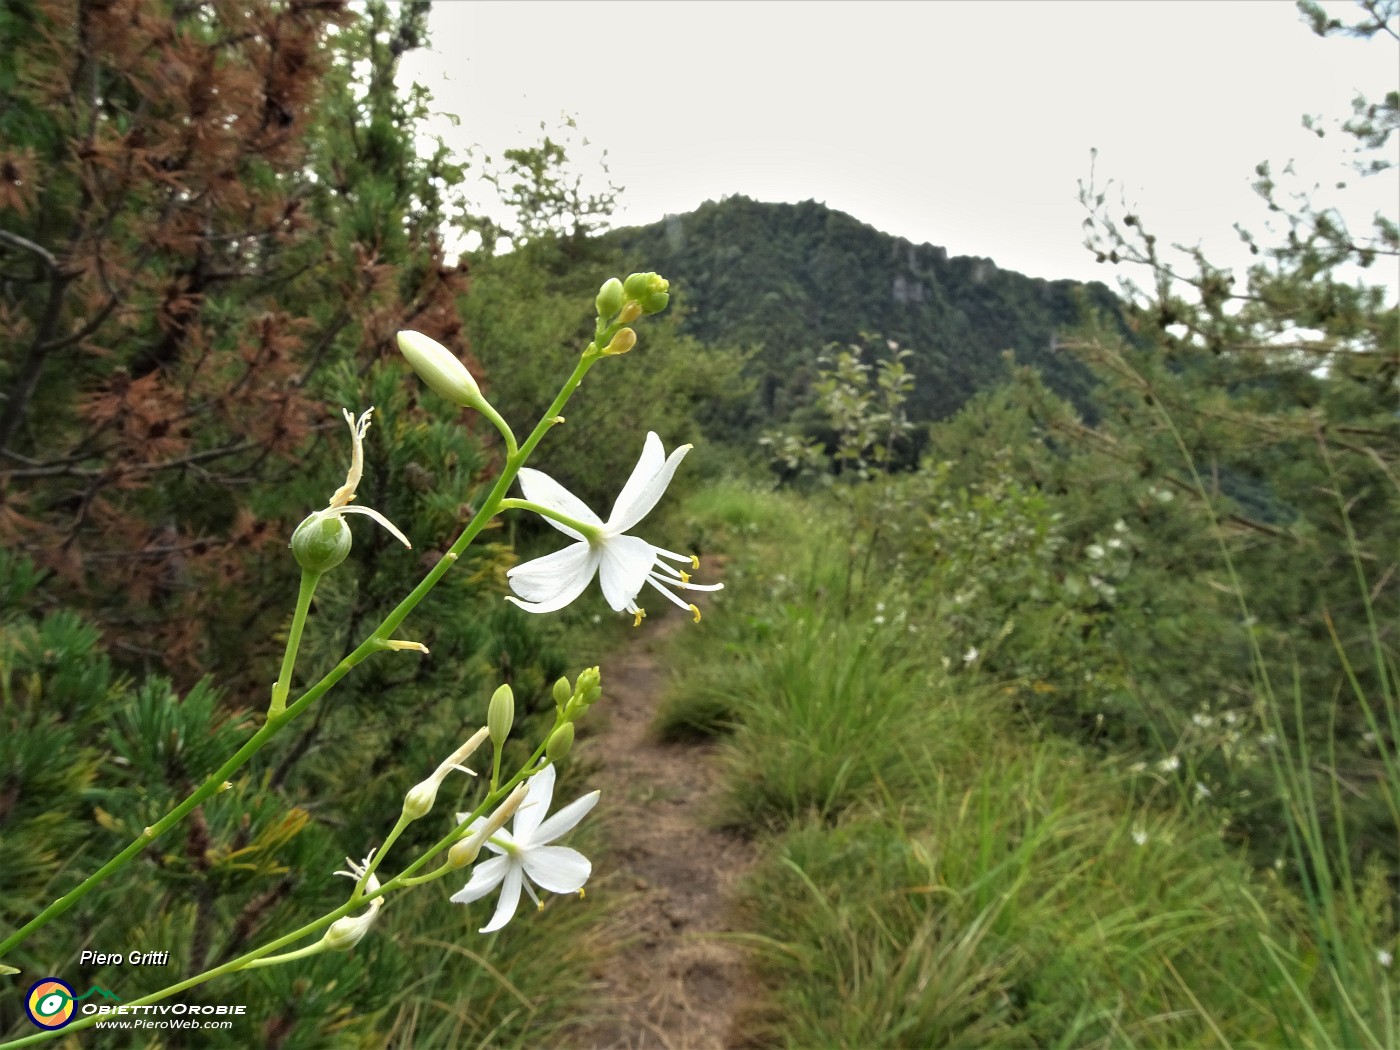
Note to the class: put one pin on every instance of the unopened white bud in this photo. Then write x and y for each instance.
(500, 715)
(439, 368)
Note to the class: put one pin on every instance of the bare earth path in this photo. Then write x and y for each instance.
(674, 984)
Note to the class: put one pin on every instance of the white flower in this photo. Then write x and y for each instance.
(1094, 551)
(1170, 764)
(527, 852)
(971, 655)
(1384, 958)
(623, 563)
(1140, 836)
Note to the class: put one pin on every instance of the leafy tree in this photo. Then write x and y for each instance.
(1248, 439)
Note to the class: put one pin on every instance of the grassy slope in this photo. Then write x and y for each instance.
(934, 872)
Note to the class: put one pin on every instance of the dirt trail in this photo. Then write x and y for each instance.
(673, 985)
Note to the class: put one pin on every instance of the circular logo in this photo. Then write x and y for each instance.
(50, 1003)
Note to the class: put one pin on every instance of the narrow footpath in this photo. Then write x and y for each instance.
(676, 980)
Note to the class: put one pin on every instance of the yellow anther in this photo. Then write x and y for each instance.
(539, 906)
(695, 563)
(580, 893)
(640, 615)
(696, 611)
(685, 576)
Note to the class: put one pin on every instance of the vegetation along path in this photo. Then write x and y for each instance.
(675, 980)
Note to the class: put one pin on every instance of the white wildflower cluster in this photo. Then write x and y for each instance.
(1227, 732)
(1107, 563)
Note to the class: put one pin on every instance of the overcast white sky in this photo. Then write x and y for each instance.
(966, 125)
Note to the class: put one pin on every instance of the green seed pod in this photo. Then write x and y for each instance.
(560, 741)
(610, 298)
(500, 715)
(321, 542)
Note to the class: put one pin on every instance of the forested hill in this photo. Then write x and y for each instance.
(788, 279)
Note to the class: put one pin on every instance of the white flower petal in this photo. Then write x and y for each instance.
(652, 459)
(552, 582)
(558, 869)
(510, 897)
(538, 796)
(564, 820)
(542, 489)
(623, 567)
(645, 496)
(486, 876)
(393, 529)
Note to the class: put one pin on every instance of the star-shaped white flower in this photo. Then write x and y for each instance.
(623, 563)
(526, 853)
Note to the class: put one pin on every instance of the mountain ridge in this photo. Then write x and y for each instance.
(787, 280)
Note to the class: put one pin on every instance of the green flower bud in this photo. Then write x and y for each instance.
(500, 715)
(562, 692)
(655, 303)
(560, 741)
(321, 542)
(640, 285)
(589, 687)
(610, 298)
(439, 368)
(623, 341)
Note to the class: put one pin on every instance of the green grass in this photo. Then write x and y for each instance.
(936, 872)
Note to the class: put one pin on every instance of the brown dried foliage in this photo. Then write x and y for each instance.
(168, 296)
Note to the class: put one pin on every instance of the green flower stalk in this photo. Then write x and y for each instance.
(323, 541)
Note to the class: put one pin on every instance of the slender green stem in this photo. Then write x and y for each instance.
(489, 411)
(379, 854)
(283, 685)
(231, 966)
(372, 644)
(583, 528)
(358, 898)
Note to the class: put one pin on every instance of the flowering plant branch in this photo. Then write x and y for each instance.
(322, 541)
